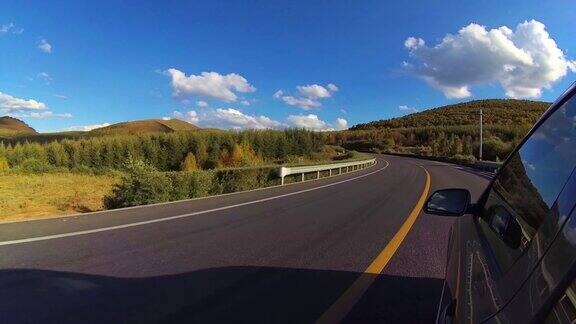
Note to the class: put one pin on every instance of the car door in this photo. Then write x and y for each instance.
(517, 217)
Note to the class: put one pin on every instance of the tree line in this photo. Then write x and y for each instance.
(166, 151)
(461, 142)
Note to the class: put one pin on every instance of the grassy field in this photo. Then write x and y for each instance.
(32, 196)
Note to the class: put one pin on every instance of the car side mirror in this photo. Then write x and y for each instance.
(448, 202)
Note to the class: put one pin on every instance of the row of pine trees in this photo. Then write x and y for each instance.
(166, 151)
(190, 151)
(449, 141)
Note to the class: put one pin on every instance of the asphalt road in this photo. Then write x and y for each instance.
(284, 254)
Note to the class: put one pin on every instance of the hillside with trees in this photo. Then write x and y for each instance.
(144, 126)
(496, 112)
(16, 131)
(449, 131)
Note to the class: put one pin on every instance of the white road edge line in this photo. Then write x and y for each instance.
(157, 220)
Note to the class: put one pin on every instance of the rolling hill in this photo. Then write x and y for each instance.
(495, 111)
(13, 126)
(144, 126)
(16, 131)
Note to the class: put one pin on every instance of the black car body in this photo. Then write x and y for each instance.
(512, 254)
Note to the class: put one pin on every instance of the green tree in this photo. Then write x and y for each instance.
(201, 153)
(142, 184)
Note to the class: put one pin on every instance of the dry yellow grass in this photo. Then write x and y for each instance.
(32, 196)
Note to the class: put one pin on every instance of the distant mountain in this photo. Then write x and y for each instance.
(17, 131)
(495, 111)
(11, 126)
(145, 126)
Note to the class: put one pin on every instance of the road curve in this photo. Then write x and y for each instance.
(283, 254)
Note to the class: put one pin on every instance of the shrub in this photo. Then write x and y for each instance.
(141, 184)
(187, 185)
(494, 149)
(245, 179)
(34, 166)
(468, 159)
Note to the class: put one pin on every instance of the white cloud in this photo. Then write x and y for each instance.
(312, 122)
(524, 61)
(409, 109)
(10, 28)
(9, 104)
(27, 108)
(237, 119)
(41, 115)
(232, 118)
(86, 128)
(413, 43)
(166, 118)
(245, 103)
(314, 91)
(44, 77)
(60, 96)
(44, 46)
(332, 87)
(6, 28)
(227, 118)
(190, 116)
(343, 111)
(304, 103)
(341, 123)
(309, 121)
(201, 103)
(310, 95)
(209, 84)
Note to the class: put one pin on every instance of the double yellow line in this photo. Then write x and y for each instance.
(338, 311)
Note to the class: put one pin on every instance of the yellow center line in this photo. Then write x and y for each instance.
(338, 311)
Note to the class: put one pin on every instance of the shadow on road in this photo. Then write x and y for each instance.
(228, 294)
(483, 174)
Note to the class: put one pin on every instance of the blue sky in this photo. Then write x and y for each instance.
(104, 62)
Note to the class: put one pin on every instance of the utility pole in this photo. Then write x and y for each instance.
(480, 154)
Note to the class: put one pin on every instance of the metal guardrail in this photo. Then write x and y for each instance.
(349, 166)
(488, 166)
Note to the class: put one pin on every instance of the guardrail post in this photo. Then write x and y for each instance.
(282, 181)
(318, 175)
(330, 173)
(302, 176)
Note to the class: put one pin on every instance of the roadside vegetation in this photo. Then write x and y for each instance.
(113, 171)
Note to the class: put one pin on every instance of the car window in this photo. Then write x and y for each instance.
(525, 190)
